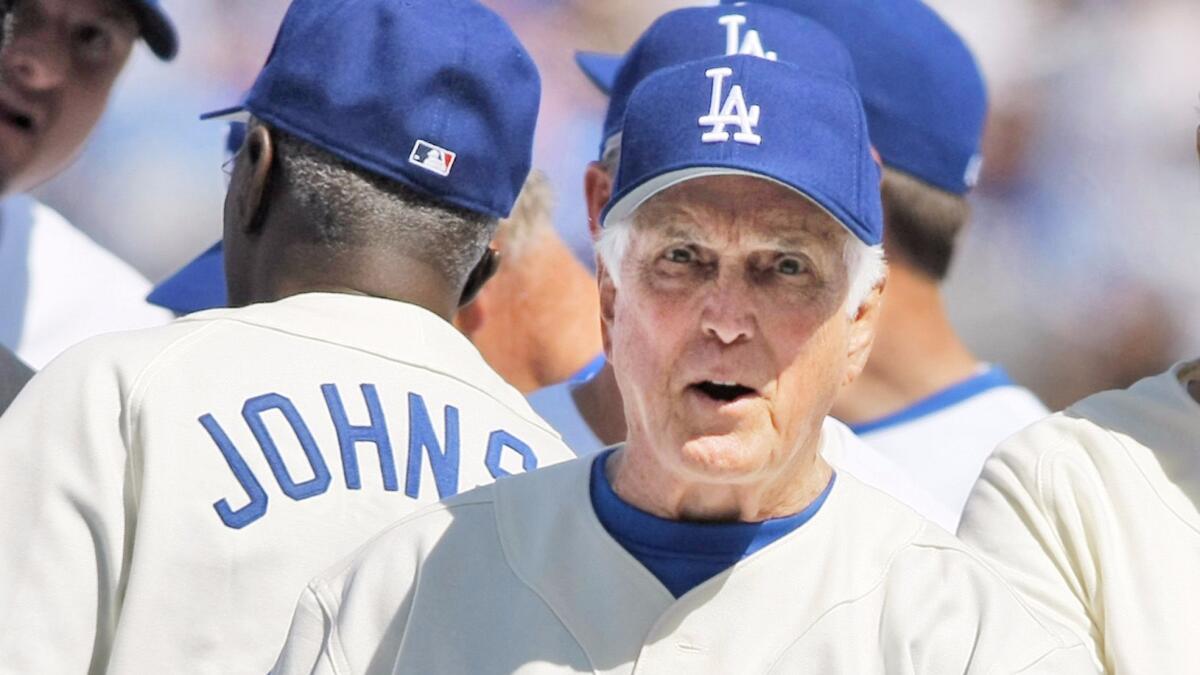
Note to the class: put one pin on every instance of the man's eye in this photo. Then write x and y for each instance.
(791, 266)
(93, 41)
(680, 255)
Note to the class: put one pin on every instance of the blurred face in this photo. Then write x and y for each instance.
(56, 71)
(727, 331)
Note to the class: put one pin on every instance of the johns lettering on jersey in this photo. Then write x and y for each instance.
(401, 443)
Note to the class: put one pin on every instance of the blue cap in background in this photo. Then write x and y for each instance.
(438, 95)
(156, 27)
(694, 33)
(739, 115)
(924, 95)
(200, 285)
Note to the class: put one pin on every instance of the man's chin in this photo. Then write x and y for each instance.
(721, 454)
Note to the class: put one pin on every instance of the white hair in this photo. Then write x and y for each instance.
(865, 265)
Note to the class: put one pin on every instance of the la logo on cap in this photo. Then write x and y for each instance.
(734, 44)
(732, 112)
(432, 158)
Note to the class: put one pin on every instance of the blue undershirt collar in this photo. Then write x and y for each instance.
(681, 554)
(991, 378)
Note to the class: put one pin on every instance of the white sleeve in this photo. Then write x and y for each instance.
(309, 647)
(65, 487)
(1084, 531)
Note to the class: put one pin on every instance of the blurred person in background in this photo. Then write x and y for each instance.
(167, 492)
(57, 286)
(1092, 515)
(536, 321)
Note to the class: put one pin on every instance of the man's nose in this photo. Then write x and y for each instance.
(728, 311)
(34, 62)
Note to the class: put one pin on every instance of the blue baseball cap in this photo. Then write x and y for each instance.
(438, 95)
(695, 33)
(925, 98)
(157, 29)
(746, 116)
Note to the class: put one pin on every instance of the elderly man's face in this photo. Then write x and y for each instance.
(56, 71)
(728, 332)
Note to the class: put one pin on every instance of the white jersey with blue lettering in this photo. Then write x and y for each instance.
(521, 577)
(167, 493)
(58, 287)
(1094, 515)
(556, 405)
(943, 440)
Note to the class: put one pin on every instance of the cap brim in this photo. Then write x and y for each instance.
(157, 29)
(623, 206)
(200, 285)
(600, 69)
(237, 113)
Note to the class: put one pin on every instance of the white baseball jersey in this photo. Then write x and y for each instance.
(943, 440)
(521, 577)
(167, 493)
(1092, 515)
(557, 406)
(60, 287)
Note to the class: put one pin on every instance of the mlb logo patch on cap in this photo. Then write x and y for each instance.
(432, 158)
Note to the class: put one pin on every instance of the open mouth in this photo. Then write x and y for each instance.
(16, 118)
(725, 392)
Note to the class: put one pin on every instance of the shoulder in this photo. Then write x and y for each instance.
(943, 590)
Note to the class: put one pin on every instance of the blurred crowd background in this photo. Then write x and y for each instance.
(1079, 271)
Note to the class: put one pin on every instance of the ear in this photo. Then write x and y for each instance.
(251, 182)
(470, 317)
(597, 189)
(608, 301)
(862, 332)
(484, 270)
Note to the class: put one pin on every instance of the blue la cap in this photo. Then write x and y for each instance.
(438, 95)
(741, 115)
(157, 29)
(695, 33)
(924, 95)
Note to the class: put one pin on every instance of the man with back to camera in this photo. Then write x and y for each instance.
(534, 322)
(923, 400)
(1092, 515)
(740, 276)
(167, 492)
(56, 73)
(588, 412)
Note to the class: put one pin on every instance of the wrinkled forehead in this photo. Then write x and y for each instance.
(738, 209)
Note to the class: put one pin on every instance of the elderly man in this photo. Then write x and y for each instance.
(588, 412)
(1094, 515)
(923, 400)
(57, 287)
(739, 280)
(166, 493)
